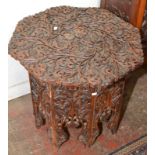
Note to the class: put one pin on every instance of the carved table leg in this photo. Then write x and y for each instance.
(61, 107)
(58, 133)
(83, 137)
(116, 93)
(36, 99)
(93, 129)
(89, 133)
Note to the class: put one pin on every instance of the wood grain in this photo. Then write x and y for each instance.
(77, 59)
(130, 10)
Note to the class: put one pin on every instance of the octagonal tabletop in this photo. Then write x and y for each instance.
(75, 46)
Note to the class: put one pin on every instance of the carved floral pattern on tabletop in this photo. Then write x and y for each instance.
(71, 54)
(77, 46)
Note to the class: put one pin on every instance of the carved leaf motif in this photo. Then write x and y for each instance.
(75, 106)
(89, 46)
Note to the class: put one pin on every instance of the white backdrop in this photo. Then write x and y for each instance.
(18, 79)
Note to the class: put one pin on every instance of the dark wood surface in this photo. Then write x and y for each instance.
(130, 10)
(77, 59)
(60, 107)
(23, 137)
(91, 46)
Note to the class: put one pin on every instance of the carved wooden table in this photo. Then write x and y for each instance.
(77, 59)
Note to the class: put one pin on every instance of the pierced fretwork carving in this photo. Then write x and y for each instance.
(73, 65)
(61, 107)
